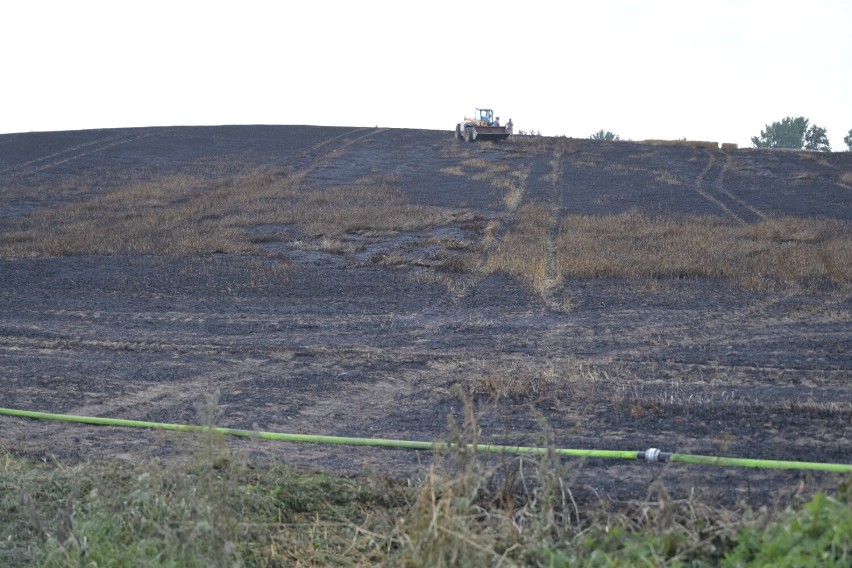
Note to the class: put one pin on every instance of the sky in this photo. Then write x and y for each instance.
(718, 70)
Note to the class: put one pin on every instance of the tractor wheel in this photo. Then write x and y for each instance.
(468, 135)
(458, 132)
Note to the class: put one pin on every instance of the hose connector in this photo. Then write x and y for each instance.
(652, 454)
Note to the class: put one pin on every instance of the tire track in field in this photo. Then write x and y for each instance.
(308, 160)
(720, 187)
(505, 212)
(166, 394)
(756, 321)
(718, 195)
(699, 182)
(23, 165)
(58, 158)
(551, 277)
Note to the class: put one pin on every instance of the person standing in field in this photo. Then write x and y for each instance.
(509, 126)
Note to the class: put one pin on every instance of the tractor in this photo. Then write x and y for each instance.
(481, 127)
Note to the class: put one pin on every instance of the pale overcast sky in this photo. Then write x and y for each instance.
(702, 69)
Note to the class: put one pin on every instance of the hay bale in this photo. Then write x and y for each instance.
(703, 144)
(729, 146)
(686, 143)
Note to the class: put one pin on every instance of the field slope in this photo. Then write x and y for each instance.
(368, 281)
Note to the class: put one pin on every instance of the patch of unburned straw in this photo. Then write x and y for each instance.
(523, 250)
(529, 380)
(362, 207)
(663, 176)
(190, 214)
(786, 250)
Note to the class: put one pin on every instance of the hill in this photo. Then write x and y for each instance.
(367, 281)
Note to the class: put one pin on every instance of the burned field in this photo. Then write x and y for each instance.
(368, 282)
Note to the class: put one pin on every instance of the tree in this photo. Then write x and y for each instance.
(601, 135)
(789, 133)
(793, 133)
(848, 140)
(816, 138)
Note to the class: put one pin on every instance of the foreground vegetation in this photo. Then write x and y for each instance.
(213, 507)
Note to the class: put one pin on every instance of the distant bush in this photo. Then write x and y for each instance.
(607, 136)
(848, 140)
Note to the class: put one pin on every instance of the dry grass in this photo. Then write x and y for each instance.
(513, 197)
(846, 178)
(489, 232)
(806, 177)
(452, 171)
(662, 176)
(518, 383)
(729, 146)
(190, 214)
(530, 143)
(816, 156)
(523, 251)
(481, 169)
(665, 176)
(531, 380)
(497, 174)
(361, 208)
(178, 214)
(783, 250)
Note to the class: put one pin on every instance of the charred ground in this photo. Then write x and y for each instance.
(365, 326)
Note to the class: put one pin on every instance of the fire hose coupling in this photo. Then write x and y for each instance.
(655, 455)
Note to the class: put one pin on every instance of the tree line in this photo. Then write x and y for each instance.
(796, 133)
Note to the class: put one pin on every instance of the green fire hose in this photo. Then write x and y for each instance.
(650, 455)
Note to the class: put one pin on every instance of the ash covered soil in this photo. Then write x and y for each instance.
(340, 341)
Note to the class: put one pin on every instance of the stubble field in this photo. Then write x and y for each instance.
(367, 282)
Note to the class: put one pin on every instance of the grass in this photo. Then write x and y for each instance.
(662, 176)
(213, 507)
(497, 174)
(779, 251)
(523, 250)
(518, 382)
(190, 214)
